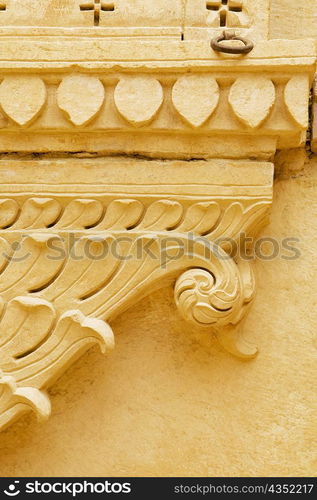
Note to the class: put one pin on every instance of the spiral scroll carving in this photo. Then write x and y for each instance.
(201, 302)
(219, 301)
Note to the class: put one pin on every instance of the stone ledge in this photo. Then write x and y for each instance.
(91, 52)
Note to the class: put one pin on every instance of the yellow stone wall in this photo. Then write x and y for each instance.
(169, 401)
(293, 19)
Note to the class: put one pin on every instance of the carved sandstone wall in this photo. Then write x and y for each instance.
(169, 400)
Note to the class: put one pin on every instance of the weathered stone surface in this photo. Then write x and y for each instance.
(138, 99)
(296, 95)
(204, 19)
(22, 98)
(80, 97)
(252, 99)
(201, 403)
(292, 19)
(120, 87)
(113, 15)
(195, 97)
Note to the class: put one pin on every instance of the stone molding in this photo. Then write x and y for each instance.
(189, 19)
(101, 96)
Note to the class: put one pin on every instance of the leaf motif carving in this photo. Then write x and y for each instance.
(81, 213)
(9, 210)
(16, 400)
(90, 256)
(74, 334)
(161, 215)
(30, 267)
(195, 97)
(22, 98)
(37, 213)
(201, 217)
(26, 322)
(122, 214)
(296, 95)
(138, 99)
(251, 99)
(237, 219)
(81, 98)
(54, 309)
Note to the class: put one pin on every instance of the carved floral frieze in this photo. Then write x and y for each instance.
(163, 100)
(138, 100)
(77, 249)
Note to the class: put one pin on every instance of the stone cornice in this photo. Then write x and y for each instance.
(142, 100)
(94, 51)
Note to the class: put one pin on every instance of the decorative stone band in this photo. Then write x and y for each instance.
(155, 99)
(54, 309)
(136, 19)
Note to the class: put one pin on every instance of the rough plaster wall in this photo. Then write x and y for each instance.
(293, 19)
(169, 401)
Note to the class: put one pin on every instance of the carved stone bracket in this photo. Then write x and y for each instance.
(82, 240)
(77, 252)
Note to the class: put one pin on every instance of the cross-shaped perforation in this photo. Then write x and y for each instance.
(223, 7)
(97, 6)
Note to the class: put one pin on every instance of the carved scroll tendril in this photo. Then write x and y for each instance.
(220, 303)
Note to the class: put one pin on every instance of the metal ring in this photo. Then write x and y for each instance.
(228, 35)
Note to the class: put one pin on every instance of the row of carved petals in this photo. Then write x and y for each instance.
(251, 98)
(36, 213)
(138, 99)
(206, 218)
